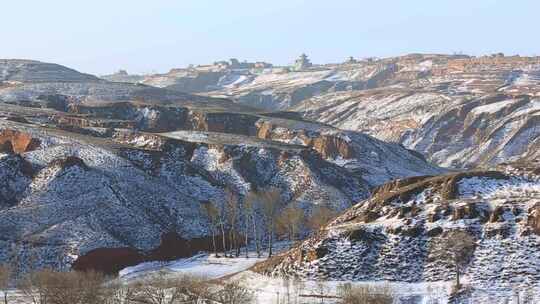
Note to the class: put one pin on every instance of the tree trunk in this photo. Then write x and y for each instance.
(223, 240)
(237, 243)
(270, 239)
(291, 236)
(255, 236)
(247, 243)
(231, 243)
(214, 241)
(247, 238)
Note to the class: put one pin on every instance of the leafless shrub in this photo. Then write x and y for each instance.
(50, 287)
(366, 294)
(76, 288)
(234, 293)
(155, 292)
(117, 293)
(170, 291)
(36, 286)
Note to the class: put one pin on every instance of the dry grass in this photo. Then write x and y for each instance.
(366, 294)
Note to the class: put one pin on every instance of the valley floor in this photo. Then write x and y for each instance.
(275, 290)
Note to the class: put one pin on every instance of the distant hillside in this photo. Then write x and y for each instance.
(102, 175)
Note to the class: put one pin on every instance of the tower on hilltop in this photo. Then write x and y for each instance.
(302, 63)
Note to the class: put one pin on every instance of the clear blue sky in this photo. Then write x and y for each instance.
(101, 36)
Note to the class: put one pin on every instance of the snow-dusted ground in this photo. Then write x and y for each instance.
(270, 290)
(201, 265)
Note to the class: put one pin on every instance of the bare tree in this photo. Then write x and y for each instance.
(157, 291)
(250, 203)
(117, 293)
(234, 293)
(456, 245)
(231, 201)
(290, 221)
(76, 288)
(270, 202)
(185, 289)
(212, 214)
(195, 290)
(246, 215)
(5, 274)
(320, 216)
(50, 287)
(221, 224)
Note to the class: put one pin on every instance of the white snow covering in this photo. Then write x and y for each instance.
(201, 265)
(270, 290)
(489, 188)
(506, 261)
(493, 107)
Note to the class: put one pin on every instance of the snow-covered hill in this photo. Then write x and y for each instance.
(116, 197)
(16, 71)
(74, 194)
(434, 104)
(389, 236)
(451, 131)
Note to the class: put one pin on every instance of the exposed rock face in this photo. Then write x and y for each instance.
(388, 237)
(534, 218)
(18, 142)
(374, 160)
